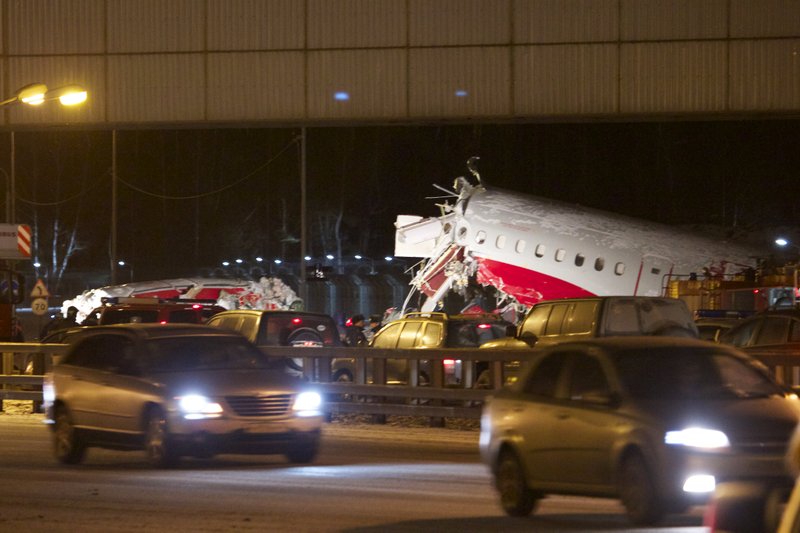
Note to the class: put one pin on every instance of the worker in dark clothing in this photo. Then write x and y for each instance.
(61, 322)
(354, 332)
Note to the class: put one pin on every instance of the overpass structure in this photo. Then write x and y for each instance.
(201, 63)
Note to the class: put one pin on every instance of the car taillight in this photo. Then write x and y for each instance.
(296, 321)
(197, 306)
(484, 326)
(163, 322)
(449, 362)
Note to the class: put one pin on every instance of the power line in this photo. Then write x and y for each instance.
(217, 191)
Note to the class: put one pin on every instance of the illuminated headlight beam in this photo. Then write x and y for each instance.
(197, 407)
(700, 483)
(697, 438)
(307, 404)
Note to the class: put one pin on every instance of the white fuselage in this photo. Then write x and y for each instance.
(539, 249)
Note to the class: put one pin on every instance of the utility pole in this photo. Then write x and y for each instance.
(303, 244)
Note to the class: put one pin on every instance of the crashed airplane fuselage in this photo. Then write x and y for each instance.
(534, 249)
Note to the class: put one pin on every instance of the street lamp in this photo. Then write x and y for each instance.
(35, 94)
(359, 257)
(783, 243)
(124, 264)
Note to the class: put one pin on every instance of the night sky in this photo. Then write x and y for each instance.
(192, 198)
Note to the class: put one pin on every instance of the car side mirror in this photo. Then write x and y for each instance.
(528, 338)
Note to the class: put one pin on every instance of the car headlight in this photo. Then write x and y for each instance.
(307, 404)
(196, 407)
(697, 438)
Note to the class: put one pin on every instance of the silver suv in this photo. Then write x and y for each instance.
(176, 390)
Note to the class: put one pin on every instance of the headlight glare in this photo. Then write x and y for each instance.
(307, 404)
(196, 406)
(697, 438)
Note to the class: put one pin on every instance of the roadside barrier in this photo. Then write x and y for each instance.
(370, 386)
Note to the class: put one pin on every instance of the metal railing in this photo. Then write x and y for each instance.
(442, 396)
(369, 392)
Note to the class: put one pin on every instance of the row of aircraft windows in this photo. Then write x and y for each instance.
(541, 249)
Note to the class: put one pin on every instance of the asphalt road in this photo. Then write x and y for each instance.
(367, 479)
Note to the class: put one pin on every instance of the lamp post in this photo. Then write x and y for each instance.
(35, 94)
(783, 243)
(122, 264)
(359, 257)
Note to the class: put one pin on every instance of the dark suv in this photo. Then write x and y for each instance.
(281, 328)
(151, 310)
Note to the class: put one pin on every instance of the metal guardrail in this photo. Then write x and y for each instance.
(369, 392)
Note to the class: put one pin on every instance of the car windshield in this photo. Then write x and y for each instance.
(178, 354)
(680, 373)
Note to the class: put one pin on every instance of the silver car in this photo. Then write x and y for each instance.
(177, 390)
(656, 422)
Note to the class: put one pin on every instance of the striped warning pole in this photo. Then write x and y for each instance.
(24, 240)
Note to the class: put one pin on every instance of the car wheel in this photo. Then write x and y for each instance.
(638, 493)
(303, 451)
(301, 337)
(515, 496)
(157, 443)
(68, 446)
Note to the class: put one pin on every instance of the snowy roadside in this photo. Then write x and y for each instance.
(355, 427)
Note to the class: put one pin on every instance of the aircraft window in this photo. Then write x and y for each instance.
(540, 250)
(560, 254)
(579, 259)
(655, 271)
(599, 263)
(462, 233)
(501, 241)
(520, 246)
(619, 269)
(447, 228)
(480, 238)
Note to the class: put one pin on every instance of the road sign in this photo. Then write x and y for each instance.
(39, 306)
(15, 241)
(40, 290)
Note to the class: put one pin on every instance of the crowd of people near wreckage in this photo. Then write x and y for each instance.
(359, 332)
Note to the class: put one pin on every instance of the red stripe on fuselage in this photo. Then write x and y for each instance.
(527, 286)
